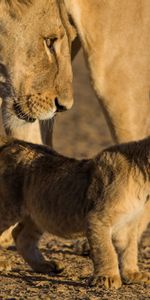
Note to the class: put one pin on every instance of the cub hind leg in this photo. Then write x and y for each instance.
(127, 246)
(26, 236)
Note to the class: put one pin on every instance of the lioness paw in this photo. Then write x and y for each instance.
(109, 282)
(137, 277)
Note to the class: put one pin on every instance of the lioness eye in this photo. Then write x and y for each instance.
(50, 43)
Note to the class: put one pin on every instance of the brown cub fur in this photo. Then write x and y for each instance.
(103, 198)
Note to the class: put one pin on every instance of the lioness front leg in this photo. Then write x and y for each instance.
(129, 258)
(26, 236)
(106, 271)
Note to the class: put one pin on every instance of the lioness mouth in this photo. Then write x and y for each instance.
(21, 115)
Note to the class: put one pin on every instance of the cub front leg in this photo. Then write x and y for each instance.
(104, 257)
(26, 236)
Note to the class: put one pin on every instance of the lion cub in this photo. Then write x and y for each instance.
(103, 198)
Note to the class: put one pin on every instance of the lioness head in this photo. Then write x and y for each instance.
(35, 66)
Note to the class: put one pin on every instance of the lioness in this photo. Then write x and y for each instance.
(103, 198)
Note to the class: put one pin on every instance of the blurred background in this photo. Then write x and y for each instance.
(82, 131)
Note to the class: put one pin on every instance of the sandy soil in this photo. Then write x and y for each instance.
(82, 132)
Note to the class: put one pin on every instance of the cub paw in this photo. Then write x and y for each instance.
(137, 277)
(48, 267)
(109, 282)
(6, 238)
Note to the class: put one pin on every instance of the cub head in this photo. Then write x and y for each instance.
(35, 65)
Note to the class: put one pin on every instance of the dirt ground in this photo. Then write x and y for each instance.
(81, 132)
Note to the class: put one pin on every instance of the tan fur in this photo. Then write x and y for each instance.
(115, 37)
(102, 198)
(33, 75)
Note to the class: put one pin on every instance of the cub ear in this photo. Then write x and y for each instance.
(70, 29)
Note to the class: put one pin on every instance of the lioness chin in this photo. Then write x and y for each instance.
(103, 198)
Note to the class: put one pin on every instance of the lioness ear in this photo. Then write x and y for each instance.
(70, 29)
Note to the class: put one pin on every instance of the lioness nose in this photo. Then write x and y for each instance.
(59, 107)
